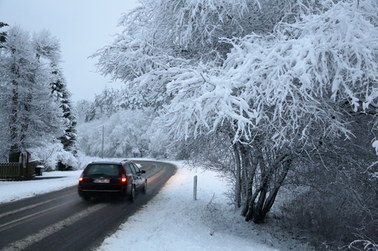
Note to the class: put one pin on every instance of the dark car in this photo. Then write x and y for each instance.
(111, 177)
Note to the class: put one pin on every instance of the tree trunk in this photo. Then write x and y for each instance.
(237, 190)
(271, 179)
(258, 215)
(250, 210)
(248, 197)
(272, 196)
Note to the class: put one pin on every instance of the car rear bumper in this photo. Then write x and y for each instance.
(91, 190)
(101, 191)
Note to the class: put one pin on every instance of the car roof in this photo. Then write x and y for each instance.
(109, 162)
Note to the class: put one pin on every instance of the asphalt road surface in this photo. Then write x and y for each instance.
(61, 220)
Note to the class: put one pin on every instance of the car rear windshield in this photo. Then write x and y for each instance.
(103, 169)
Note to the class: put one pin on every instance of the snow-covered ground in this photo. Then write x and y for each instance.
(48, 182)
(173, 220)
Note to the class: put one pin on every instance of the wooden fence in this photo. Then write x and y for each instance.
(13, 170)
(10, 170)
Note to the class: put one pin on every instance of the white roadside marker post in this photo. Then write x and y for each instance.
(195, 188)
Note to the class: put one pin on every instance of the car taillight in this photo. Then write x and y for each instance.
(81, 178)
(123, 179)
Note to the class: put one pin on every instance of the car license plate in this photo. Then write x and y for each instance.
(101, 181)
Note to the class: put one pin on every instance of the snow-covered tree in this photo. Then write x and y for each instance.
(283, 94)
(105, 104)
(123, 131)
(3, 33)
(82, 108)
(277, 78)
(62, 96)
(163, 38)
(30, 116)
(48, 49)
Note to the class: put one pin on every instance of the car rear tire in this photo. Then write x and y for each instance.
(132, 194)
(85, 197)
(145, 187)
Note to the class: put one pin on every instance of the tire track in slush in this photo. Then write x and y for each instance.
(43, 233)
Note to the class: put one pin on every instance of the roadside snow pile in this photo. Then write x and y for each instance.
(50, 181)
(174, 221)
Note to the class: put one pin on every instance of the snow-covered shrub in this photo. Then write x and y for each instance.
(51, 154)
(365, 245)
(67, 160)
(338, 203)
(339, 208)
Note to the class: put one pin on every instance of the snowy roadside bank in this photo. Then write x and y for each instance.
(174, 221)
(50, 181)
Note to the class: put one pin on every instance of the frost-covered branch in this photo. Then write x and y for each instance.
(299, 77)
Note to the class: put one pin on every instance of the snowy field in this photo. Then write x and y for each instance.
(173, 220)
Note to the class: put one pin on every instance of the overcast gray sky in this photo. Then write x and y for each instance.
(82, 26)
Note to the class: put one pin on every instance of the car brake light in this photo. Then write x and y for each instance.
(123, 179)
(81, 178)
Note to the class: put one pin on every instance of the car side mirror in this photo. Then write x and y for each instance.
(142, 171)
